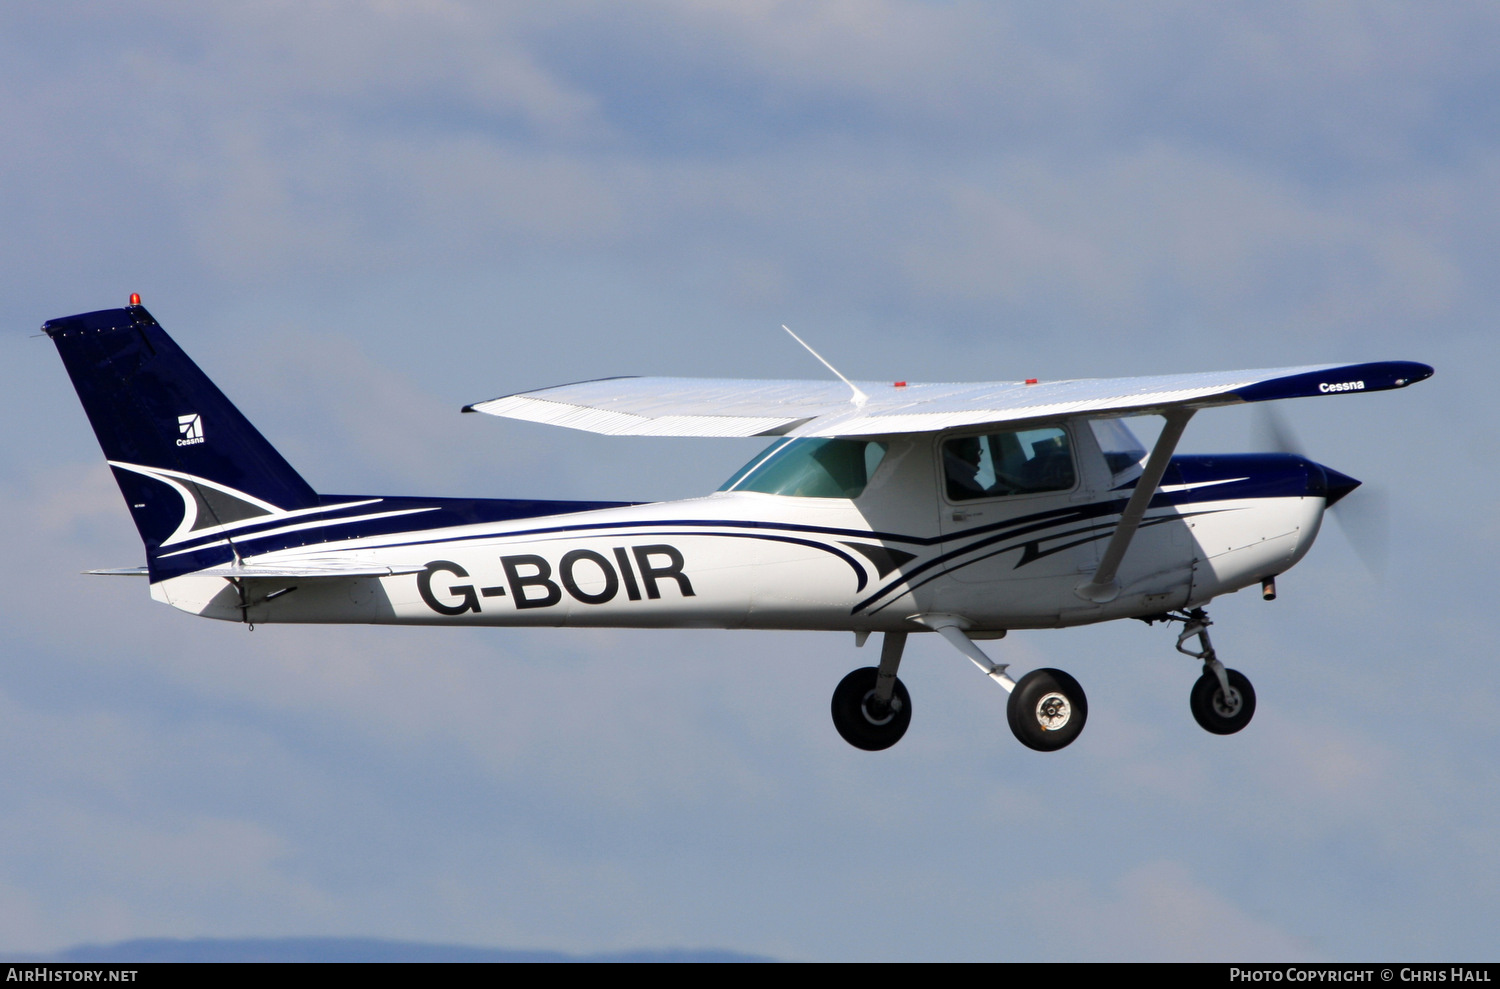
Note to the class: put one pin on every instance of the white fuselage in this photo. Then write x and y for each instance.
(742, 559)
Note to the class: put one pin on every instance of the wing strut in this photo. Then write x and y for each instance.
(1104, 588)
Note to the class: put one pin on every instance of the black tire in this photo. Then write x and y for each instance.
(1213, 713)
(861, 727)
(1047, 709)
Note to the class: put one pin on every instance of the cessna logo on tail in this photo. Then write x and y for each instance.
(191, 428)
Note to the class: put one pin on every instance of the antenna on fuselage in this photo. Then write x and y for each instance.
(860, 398)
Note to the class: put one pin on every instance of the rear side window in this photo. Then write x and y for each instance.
(1122, 451)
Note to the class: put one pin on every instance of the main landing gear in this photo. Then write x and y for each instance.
(1047, 708)
(1222, 700)
(871, 708)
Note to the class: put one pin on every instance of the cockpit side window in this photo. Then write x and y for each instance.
(1024, 461)
(811, 468)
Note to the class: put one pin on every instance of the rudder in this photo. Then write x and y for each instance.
(187, 461)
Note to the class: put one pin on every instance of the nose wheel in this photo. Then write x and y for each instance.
(1222, 700)
(1222, 711)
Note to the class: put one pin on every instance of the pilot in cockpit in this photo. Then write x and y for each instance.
(961, 458)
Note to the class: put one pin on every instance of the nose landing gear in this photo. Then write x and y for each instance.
(1222, 700)
(1220, 710)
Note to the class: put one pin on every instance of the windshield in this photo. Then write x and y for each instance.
(811, 468)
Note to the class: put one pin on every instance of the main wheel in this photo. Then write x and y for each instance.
(857, 719)
(1047, 710)
(1217, 713)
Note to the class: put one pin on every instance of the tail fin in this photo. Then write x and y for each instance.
(187, 461)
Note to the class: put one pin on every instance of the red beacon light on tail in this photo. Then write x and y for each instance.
(135, 298)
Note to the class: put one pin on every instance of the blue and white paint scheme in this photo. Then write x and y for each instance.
(962, 509)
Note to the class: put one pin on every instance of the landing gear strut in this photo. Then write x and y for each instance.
(871, 708)
(1222, 700)
(1046, 709)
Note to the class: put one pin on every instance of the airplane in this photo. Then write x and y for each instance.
(965, 510)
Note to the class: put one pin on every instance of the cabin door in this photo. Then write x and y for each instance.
(1014, 506)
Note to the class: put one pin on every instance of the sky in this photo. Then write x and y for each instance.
(359, 217)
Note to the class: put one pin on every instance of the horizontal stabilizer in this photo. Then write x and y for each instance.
(120, 572)
(309, 570)
(738, 407)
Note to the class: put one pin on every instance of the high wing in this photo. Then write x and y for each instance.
(739, 407)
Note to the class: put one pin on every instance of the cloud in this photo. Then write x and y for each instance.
(1155, 912)
(1050, 170)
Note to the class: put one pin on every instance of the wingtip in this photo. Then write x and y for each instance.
(1416, 372)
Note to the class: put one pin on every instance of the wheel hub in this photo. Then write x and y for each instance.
(876, 713)
(1227, 705)
(1053, 711)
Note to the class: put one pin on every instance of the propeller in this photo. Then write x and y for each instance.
(1363, 511)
